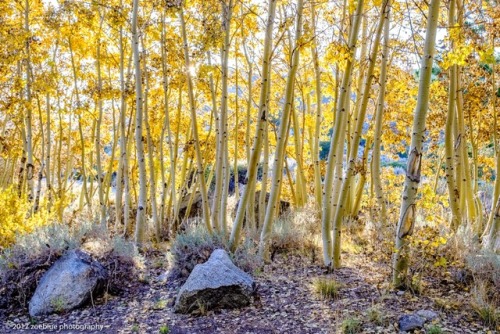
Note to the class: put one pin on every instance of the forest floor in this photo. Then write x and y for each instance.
(286, 303)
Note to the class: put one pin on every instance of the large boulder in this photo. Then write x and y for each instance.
(215, 284)
(71, 282)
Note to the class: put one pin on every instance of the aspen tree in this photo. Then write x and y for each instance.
(491, 234)
(300, 183)
(377, 184)
(461, 139)
(41, 170)
(100, 176)
(236, 128)
(128, 176)
(451, 177)
(149, 143)
(265, 177)
(360, 185)
(48, 165)
(140, 220)
(493, 239)
(282, 135)
(262, 120)
(107, 181)
(199, 159)
(336, 142)
(222, 164)
(30, 167)
(408, 206)
(360, 117)
(122, 172)
(166, 125)
(182, 177)
(319, 116)
(249, 101)
(85, 190)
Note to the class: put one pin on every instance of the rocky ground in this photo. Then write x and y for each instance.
(286, 303)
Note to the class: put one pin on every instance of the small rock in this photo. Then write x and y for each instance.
(409, 322)
(428, 315)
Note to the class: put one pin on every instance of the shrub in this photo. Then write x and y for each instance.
(195, 246)
(485, 267)
(484, 306)
(296, 232)
(428, 251)
(14, 211)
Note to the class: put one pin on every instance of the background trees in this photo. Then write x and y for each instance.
(219, 90)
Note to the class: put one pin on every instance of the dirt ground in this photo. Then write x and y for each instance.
(286, 303)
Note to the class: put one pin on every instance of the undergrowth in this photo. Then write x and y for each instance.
(23, 264)
(16, 219)
(297, 232)
(195, 245)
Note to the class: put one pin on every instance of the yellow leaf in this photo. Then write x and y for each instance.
(441, 262)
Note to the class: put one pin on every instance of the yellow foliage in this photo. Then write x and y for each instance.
(428, 244)
(458, 56)
(487, 56)
(13, 211)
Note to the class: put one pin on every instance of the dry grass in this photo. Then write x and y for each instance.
(326, 288)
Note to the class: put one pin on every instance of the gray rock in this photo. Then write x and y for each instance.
(409, 322)
(70, 283)
(215, 284)
(428, 315)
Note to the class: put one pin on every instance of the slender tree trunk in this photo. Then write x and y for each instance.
(30, 167)
(408, 204)
(283, 134)
(48, 164)
(172, 155)
(360, 185)
(149, 142)
(199, 159)
(98, 148)
(120, 177)
(139, 139)
(377, 184)
(222, 164)
(36, 205)
(360, 116)
(265, 177)
(453, 190)
(461, 139)
(319, 116)
(336, 143)
(490, 236)
(262, 119)
(85, 190)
